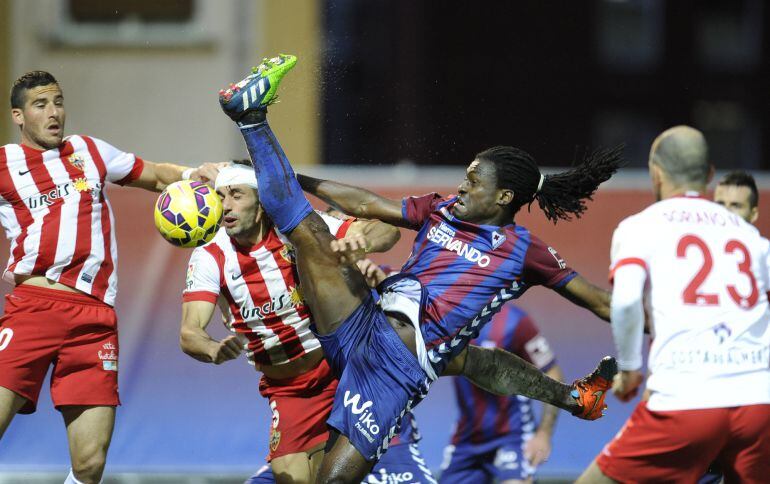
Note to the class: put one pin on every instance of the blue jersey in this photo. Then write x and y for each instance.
(467, 271)
(485, 417)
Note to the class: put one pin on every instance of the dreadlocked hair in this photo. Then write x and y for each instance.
(561, 195)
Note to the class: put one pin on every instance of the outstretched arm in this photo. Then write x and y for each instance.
(585, 294)
(157, 176)
(196, 342)
(354, 201)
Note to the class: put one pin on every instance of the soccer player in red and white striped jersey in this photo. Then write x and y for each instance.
(63, 262)
(249, 269)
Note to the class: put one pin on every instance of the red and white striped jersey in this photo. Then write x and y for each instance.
(55, 212)
(261, 288)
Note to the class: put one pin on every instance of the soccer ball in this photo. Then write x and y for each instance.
(188, 213)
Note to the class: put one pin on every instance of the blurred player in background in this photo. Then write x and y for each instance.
(701, 273)
(737, 192)
(496, 438)
(249, 269)
(468, 260)
(63, 263)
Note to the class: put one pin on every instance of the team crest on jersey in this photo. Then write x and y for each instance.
(275, 439)
(287, 252)
(497, 239)
(77, 161)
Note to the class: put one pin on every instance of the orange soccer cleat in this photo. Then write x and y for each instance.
(591, 390)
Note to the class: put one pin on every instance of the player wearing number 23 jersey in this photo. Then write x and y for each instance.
(699, 274)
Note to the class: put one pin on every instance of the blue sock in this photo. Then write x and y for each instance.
(279, 190)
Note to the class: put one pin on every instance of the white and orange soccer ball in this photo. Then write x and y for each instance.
(188, 213)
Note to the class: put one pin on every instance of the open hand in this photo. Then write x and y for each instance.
(207, 172)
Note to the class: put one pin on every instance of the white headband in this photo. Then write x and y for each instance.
(539, 185)
(236, 175)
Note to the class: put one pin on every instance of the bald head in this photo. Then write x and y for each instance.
(682, 153)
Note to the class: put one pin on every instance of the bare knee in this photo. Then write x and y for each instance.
(88, 464)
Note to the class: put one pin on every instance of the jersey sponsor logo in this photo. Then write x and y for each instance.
(108, 357)
(63, 190)
(365, 417)
(734, 357)
(291, 298)
(444, 236)
(382, 476)
(506, 459)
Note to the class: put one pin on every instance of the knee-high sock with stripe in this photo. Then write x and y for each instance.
(279, 190)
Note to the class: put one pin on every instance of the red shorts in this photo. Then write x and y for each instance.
(678, 446)
(301, 405)
(74, 332)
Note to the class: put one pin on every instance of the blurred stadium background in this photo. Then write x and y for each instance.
(397, 96)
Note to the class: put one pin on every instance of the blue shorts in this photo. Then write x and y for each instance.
(499, 461)
(379, 379)
(403, 463)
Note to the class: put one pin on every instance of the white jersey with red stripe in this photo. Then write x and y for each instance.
(55, 212)
(260, 287)
(706, 299)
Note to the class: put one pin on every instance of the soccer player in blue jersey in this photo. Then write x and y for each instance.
(496, 437)
(468, 259)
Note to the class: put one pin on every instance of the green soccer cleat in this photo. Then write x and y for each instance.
(257, 90)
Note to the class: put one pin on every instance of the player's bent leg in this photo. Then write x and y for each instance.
(10, 404)
(89, 432)
(343, 464)
(594, 475)
(503, 373)
(332, 290)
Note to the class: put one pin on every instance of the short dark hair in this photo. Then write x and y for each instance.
(28, 81)
(740, 178)
(560, 195)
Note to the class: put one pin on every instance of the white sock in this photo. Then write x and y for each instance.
(71, 479)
